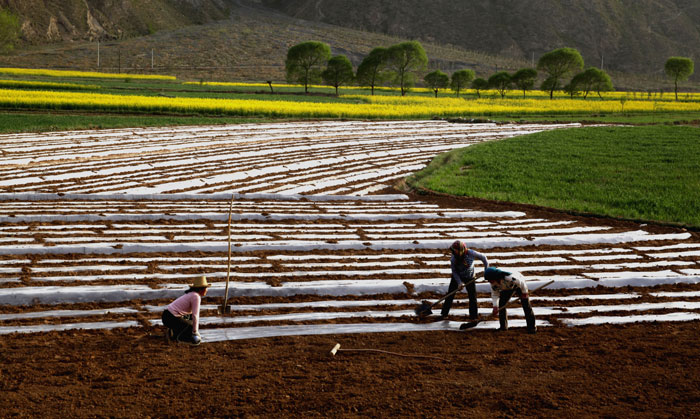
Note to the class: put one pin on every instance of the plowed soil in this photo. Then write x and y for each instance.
(600, 371)
(637, 370)
(634, 370)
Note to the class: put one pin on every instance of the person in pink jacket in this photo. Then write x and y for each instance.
(181, 317)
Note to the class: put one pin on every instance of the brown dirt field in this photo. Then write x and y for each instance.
(635, 370)
(600, 371)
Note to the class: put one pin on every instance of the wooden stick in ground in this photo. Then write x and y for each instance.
(228, 270)
(337, 349)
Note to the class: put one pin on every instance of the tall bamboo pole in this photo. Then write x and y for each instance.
(228, 271)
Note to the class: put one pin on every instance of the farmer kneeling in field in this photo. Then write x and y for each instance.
(503, 285)
(462, 263)
(181, 317)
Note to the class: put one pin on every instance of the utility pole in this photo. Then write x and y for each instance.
(601, 60)
(98, 53)
(119, 61)
(151, 58)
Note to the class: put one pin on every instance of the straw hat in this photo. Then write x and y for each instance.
(200, 283)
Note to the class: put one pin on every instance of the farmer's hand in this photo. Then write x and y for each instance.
(495, 311)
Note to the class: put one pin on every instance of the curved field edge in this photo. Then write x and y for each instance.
(642, 173)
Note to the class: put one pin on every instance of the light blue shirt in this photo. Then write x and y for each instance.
(463, 266)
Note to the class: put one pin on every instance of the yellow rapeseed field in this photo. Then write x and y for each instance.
(530, 106)
(375, 107)
(446, 93)
(79, 74)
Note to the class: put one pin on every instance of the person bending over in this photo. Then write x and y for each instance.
(503, 286)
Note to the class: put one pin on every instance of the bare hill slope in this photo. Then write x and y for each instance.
(251, 44)
(47, 21)
(625, 35)
(248, 39)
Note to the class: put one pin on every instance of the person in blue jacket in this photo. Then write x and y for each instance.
(503, 286)
(462, 263)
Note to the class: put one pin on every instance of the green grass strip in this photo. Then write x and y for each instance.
(21, 84)
(641, 173)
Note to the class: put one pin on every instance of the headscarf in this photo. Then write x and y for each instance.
(458, 248)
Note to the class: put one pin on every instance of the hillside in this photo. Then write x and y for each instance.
(47, 21)
(250, 44)
(625, 35)
(248, 39)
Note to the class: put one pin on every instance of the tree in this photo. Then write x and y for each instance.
(338, 72)
(604, 84)
(592, 79)
(461, 79)
(9, 31)
(524, 79)
(305, 62)
(679, 69)
(500, 81)
(437, 80)
(404, 60)
(549, 84)
(372, 69)
(558, 64)
(479, 84)
(571, 88)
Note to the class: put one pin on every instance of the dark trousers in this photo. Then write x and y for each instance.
(471, 291)
(181, 327)
(527, 308)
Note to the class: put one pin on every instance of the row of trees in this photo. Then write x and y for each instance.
(556, 65)
(399, 63)
(311, 62)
